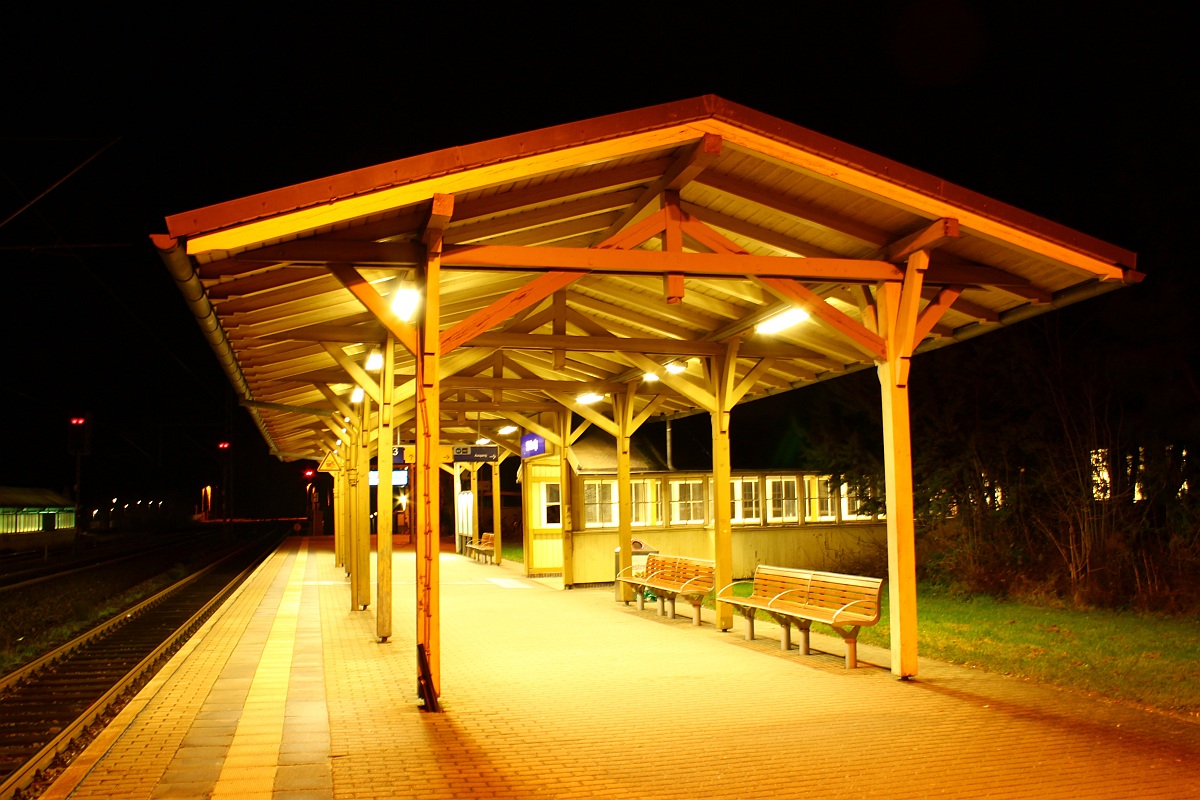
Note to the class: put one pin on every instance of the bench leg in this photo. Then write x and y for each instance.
(696, 614)
(641, 598)
(662, 605)
(785, 634)
(849, 635)
(671, 613)
(803, 625)
(749, 625)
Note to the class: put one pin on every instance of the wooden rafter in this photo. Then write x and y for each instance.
(534, 292)
(683, 171)
(846, 327)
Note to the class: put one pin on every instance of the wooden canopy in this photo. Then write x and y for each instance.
(587, 258)
(581, 257)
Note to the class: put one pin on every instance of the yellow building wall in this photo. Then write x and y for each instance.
(814, 546)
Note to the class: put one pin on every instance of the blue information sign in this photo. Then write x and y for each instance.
(532, 445)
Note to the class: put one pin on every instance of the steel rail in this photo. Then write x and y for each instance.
(27, 773)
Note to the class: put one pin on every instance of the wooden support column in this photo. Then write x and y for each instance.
(474, 503)
(352, 516)
(720, 383)
(362, 575)
(384, 496)
(339, 525)
(456, 471)
(428, 440)
(623, 411)
(497, 519)
(897, 307)
(567, 497)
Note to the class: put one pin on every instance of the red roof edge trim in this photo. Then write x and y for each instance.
(921, 182)
(440, 162)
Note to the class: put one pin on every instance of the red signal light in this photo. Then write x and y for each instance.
(78, 420)
(222, 445)
(308, 473)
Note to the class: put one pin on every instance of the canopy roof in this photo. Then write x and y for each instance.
(582, 256)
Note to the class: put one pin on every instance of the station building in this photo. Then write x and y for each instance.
(33, 519)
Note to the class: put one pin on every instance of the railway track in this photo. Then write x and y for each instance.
(47, 704)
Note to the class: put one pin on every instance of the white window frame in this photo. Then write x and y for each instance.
(743, 491)
(788, 507)
(601, 510)
(820, 506)
(694, 503)
(852, 501)
(647, 508)
(548, 503)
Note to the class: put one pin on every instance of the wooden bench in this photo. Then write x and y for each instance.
(669, 577)
(486, 547)
(845, 603)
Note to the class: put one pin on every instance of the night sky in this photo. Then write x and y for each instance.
(111, 123)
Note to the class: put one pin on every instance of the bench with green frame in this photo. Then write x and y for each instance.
(845, 603)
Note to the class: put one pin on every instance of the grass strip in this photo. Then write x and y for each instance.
(1146, 660)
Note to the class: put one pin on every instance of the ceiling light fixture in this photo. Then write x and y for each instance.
(508, 430)
(357, 395)
(780, 322)
(587, 398)
(374, 361)
(676, 367)
(405, 300)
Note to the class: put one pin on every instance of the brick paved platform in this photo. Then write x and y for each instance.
(550, 694)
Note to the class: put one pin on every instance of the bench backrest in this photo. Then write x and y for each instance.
(826, 590)
(680, 570)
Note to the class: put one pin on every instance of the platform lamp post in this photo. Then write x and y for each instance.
(79, 444)
(226, 490)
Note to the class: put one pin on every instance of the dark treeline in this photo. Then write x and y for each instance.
(1059, 458)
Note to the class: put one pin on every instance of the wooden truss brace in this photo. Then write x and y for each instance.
(374, 302)
(683, 171)
(352, 368)
(503, 309)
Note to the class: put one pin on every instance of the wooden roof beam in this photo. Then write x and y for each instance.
(658, 262)
(806, 212)
(683, 171)
(501, 310)
(776, 241)
(928, 238)
(369, 296)
(844, 326)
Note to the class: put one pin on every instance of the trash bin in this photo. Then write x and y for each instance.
(639, 550)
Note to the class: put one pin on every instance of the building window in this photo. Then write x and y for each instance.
(856, 502)
(551, 505)
(821, 497)
(687, 502)
(783, 503)
(647, 504)
(745, 503)
(600, 504)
